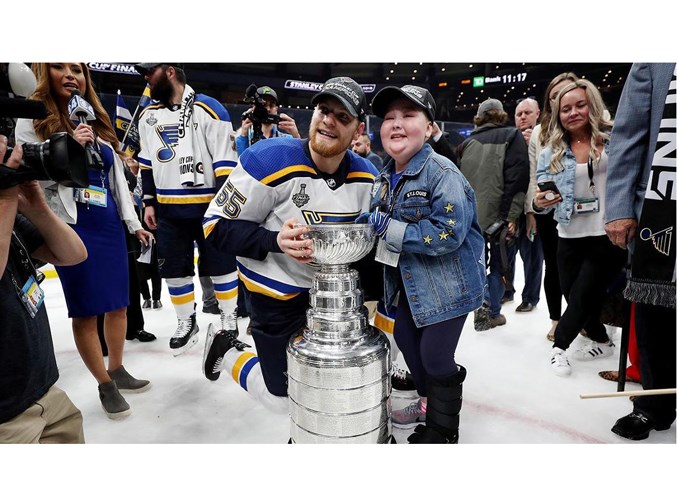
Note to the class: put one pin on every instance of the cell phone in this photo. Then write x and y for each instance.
(548, 186)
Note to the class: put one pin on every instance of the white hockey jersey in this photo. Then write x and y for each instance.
(275, 181)
(168, 152)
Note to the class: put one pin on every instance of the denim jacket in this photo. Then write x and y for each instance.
(434, 229)
(563, 179)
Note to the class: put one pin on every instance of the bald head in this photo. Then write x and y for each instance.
(526, 114)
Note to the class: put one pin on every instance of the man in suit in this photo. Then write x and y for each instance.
(642, 164)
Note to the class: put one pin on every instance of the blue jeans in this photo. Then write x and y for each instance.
(532, 257)
(495, 289)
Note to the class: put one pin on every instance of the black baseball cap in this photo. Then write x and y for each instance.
(348, 92)
(266, 91)
(420, 96)
(143, 68)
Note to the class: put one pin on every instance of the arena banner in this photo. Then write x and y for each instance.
(122, 68)
(316, 87)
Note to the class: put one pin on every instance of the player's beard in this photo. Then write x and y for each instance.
(325, 148)
(162, 90)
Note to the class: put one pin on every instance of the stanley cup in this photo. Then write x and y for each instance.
(339, 367)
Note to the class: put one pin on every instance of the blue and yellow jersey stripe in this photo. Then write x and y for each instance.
(223, 167)
(383, 320)
(258, 283)
(208, 224)
(184, 196)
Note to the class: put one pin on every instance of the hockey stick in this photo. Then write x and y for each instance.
(664, 391)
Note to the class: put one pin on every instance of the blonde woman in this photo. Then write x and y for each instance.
(571, 175)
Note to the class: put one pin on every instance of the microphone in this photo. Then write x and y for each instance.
(81, 111)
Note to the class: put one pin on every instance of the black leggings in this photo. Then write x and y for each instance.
(427, 350)
(547, 229)
(587, 266)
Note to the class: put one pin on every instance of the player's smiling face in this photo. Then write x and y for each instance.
(332, 128)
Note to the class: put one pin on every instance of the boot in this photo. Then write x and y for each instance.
(445, 395)
(115, 406)
(127, 383)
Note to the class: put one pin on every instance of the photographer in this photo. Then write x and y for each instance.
(270, 125)
(32, 409)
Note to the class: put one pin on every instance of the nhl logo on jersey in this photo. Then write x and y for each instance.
(151, 120)
(301, 198)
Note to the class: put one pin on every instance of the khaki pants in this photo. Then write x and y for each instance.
(53, 419)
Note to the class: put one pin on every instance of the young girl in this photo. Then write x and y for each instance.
(424, 212)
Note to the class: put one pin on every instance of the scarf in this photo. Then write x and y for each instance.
(188, 150)
(652, 273)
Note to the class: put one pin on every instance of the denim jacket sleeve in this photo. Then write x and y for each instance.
(437, 225)
(541, 174)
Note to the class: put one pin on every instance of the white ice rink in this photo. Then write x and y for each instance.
(517, 416)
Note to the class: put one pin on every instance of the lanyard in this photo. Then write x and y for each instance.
(590, 175)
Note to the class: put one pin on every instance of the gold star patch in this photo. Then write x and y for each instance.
(427, 240)
(451, 222)
(449, 208)
(443, 236)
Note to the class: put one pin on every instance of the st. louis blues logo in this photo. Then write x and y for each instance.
(661, 240)
(169, 134)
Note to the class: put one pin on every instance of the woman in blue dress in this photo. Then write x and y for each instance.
(98, 285)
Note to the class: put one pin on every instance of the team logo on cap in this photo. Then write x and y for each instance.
(414, 90)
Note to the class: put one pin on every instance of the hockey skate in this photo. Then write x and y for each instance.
(217, 344)
(403, 383)
(185, 336)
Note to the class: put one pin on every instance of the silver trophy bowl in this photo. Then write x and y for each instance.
(336, 244)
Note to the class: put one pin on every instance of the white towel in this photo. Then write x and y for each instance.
(188, 148)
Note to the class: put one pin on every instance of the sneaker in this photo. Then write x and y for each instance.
(213, 309)
(146, 304)
(593, 350)
(402, 380)
(409, 416)
(217, 344)
(185, 336)
(114, 404)
(127, 383)
(560, 362)
(157, 305)
(482, 319)
(498, 320)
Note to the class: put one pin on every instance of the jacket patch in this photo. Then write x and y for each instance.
(417, 193)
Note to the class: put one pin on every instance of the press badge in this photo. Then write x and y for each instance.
(586, 205)
(32, 296)
(92, 195)
(384, 256)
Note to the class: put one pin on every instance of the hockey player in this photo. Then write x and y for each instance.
(186, 155)
(279, 183)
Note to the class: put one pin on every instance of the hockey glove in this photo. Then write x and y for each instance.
(379, 221)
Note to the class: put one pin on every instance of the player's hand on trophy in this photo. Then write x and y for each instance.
(292, 243)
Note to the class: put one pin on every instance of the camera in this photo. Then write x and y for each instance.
(259, 115)
(495, 229)
(60, 158)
